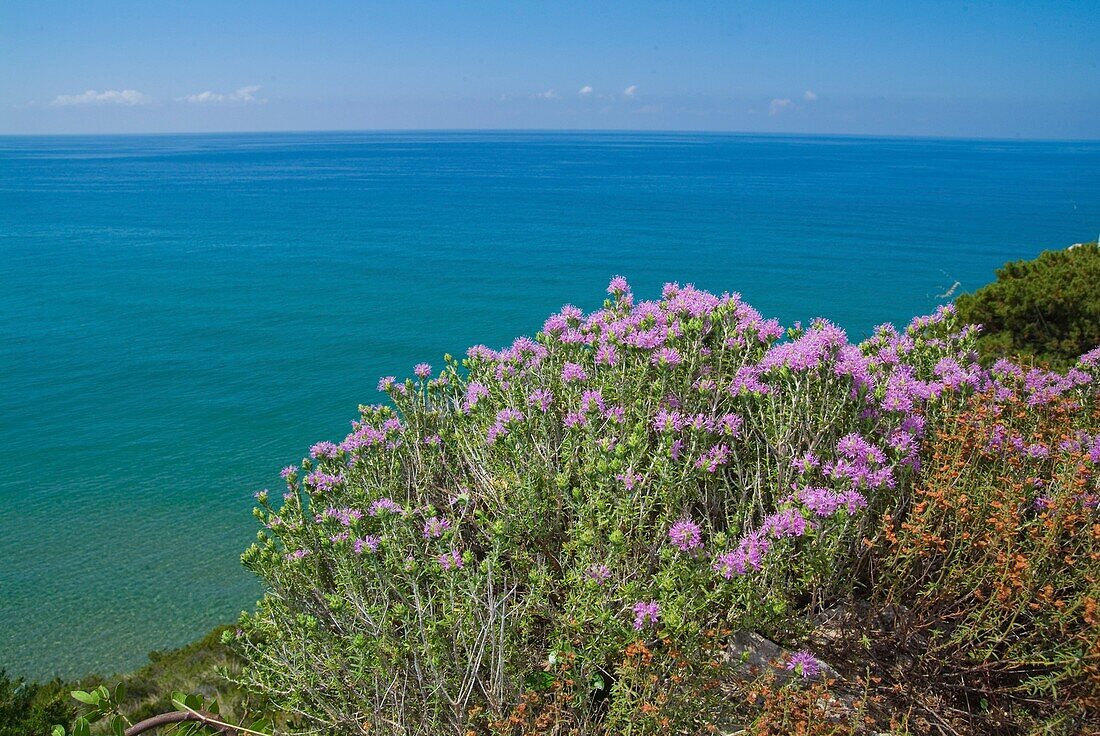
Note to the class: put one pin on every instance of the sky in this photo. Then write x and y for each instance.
(960, 69)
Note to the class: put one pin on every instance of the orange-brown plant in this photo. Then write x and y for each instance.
(994, 561)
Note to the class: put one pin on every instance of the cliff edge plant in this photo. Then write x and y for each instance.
(1046, 309)
(563, 536)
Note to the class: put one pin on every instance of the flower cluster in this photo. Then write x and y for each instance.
(645, 612)
(686, 535)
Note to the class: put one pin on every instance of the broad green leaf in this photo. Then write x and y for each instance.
(84, 697)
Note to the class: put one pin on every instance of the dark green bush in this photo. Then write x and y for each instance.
(1047, 309)
(31, 709)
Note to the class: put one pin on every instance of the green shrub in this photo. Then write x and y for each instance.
(563, 536)
(30, 709)
(1047, 308)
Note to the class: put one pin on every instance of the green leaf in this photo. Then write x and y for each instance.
(120, 692)
(84, 697)
(80, 727)
(262, 725)
(58, 731)
(118, 726)
(539, 680)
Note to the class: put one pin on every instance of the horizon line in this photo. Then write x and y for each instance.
(610, 131)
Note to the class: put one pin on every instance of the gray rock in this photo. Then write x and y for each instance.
(759, 656)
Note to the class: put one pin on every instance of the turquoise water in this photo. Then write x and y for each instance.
(181, 316)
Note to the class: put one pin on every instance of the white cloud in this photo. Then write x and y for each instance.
(809, 95)
(241, 95)
(778, 105)
(585, 90)
(631, 90)
(547, 95)
(112, 96)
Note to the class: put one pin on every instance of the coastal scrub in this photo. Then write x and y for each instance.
(561, 536)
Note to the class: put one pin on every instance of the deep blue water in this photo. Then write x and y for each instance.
(181, 316)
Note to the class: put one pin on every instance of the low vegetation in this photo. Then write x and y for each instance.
(1046, 309)
(567, 536)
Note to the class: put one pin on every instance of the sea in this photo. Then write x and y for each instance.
(183, 315)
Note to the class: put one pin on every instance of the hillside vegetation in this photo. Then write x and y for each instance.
(1046, 309)
(677, 517)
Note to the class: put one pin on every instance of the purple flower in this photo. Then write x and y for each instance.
(676, 449)
(288, 471)
(607, 355)
(576, 419)
(666, 356)
(474, 392)
(323, 449)
(805, 664)
(826, 502)
(386, 382)
(368, 542)
(505, 417)
(668, 421)
(385, 505)
(747, 380)
(618, 285)
(807, 462)
(450, 560)
(615, 414)
(297, 554)
(645, 612)
(322, 482)
(730, 424)
(749, 553)
(573, 372)
(629, 479)
(345, 516)
(713, 458)
(540, 398)
(435, 527)
(598, 573)
(786, 523)
(686, 535)
(590, 399)
(423, 370)
(480, 352)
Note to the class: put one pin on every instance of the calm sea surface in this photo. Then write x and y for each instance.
(181, 316)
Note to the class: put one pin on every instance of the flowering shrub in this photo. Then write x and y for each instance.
(997, 560)
(532, 534)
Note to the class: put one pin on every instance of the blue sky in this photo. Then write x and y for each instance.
(973, 69)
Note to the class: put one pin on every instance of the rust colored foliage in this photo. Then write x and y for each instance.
(995, 558)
